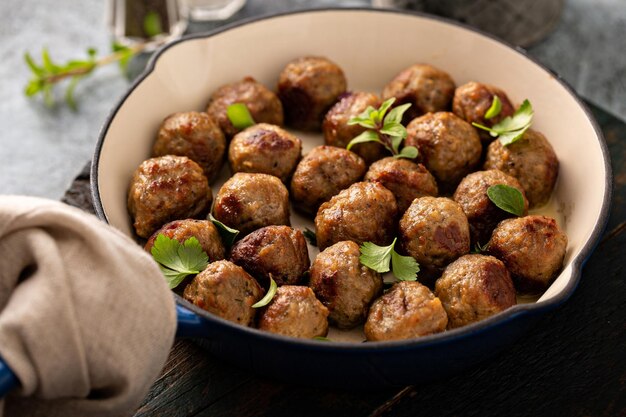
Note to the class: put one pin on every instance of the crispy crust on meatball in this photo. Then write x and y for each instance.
(167, 188)
(203, 230)
(473, 288)
(343, 284)
(294, 311)
(407, 310)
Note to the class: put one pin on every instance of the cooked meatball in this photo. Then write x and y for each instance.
(263, 105)
(164, 189)
(294, 311)
(225, 290)
(308, 87)
(194, 135)
(343, 284)
(435, 232)
(265, 148)
(471, 102)
(405, 179)
(279, 251)
(531, 160)
(364, 212)
(483, 215)
(203, 230)
(322, 173)
(427, 88)
(448, 146)
(338, 133)
(407, 310)
(532, 248)
(473, 288)
(248, 202)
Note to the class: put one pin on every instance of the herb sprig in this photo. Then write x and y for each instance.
(378, 258)
(239, 116)
(507, 198)
(228, 234)
(386, 130)
(269, 295)
(178, 260)
(512, 128)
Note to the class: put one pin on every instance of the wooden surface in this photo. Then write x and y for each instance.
(572, 363)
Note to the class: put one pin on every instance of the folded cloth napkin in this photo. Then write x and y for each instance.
(86, 318)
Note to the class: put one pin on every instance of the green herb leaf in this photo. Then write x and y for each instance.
(408, 152)
(152, 24)
(376, 257)
(509, 199)
(395, 115)
(69, 93)
(268, 296)
(478, 248)
(228, 234)
(382, 110)
(405, 268)
(239, 116)
(494, 109)
(322, 339)
(394, 129)
(366, 136)
(31, 64)
(511, 129)
(48, 65)
(310, 236)
(178, 260)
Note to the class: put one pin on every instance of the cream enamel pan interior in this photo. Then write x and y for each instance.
(371, 46)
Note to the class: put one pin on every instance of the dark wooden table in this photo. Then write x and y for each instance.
(572, 363)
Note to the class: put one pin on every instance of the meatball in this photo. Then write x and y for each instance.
(203, 230)
(265, 148)
(405, 179)
(279, 251)
(247, 202)
(226, 290)
(482, 214)
(322, 173)
(472, 100)
(164, 189)
(427, 88)
(263, 105)
(407, 310)
(364, 212)
(338, 133)
(308, 87)
(532, 248)
(294, 311)
(343, 284)
(531, 160)
(434, 231)
(194, 135)
(448, 146)
(473, 288)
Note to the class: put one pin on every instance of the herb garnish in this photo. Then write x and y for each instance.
(386, 130)
(509, 199)
(494, 109)
(239, 116)
(478, 248)
(268, 296)
(178, 260)
(511, 129)
(310, 236)
(228, 234)
(375, 257)
(322, 339)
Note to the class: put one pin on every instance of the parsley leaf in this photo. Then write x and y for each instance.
(239, 116)
(509, 199)
(494, 109)
(511, 129)
(268, 295)
(378, 258)
(310, 236)
(228, 234)
(178, 260)
(405, 268)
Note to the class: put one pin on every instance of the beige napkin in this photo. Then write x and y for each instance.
(86, 318)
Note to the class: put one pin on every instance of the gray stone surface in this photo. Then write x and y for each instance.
(41, 150)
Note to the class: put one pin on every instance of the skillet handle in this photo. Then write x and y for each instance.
(190, 324)
(8, 380)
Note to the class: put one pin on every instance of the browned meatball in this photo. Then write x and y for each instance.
(248, 202)
(279, 251)
(164, 189)
(343, 284)
(203, 230)
(448, 146)
(308, 87)
(531, 160)
(338, 133)
(364, 212)
(435, 232)
(427, 88)
(322, 173)
(263, 105)
(265, 148)
(294, 311)
(407, 310)
(225, 290)
(473, 288)
(471, 102)
(483, 216)
(532, 248)
(194, 135)
(405, 179)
